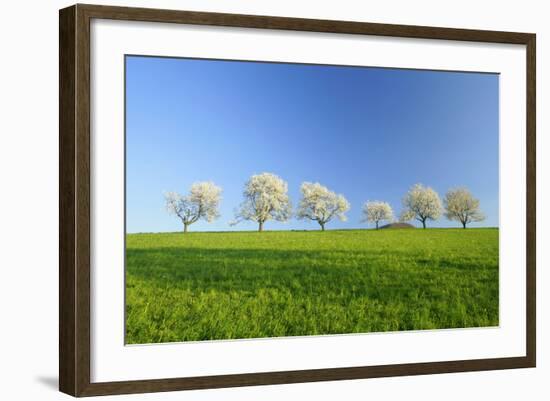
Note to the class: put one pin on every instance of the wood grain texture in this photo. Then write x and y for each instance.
(301, 376)
(82, 200)
(301, 24)
(74, 199)
(531, 221)
(67, 130)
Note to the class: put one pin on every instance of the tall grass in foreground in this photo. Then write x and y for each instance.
(206, 286)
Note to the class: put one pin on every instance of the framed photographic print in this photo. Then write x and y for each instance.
(250, 200)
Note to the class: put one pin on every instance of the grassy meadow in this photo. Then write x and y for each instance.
(230, 285)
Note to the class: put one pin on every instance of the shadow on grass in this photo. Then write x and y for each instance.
(321, 272)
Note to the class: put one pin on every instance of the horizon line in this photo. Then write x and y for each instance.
(313, 230)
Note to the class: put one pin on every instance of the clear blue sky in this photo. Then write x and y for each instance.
(368, 133)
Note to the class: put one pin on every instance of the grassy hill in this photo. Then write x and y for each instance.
(206, 286)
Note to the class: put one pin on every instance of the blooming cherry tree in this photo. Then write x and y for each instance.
(421, 203)
(461, 206)
(376, 211)
(202, 202)
(320, 204)
(265, 198)
(406, 215)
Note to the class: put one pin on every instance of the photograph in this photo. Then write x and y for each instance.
(275, 199)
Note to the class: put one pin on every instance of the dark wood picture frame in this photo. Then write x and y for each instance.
(74, 200)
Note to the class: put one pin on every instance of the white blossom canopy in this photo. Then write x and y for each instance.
(320, 204)
(461, 206)
(265, 198)
(377, 211)
(421, 203)
(406, 215)
(202, 202)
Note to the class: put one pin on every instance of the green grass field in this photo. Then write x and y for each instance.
(210, 286)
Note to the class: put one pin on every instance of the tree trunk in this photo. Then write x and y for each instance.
(423, 223)
(322, 226)
(377, 225)
(463, 224)
(185, 227)
(260, 226)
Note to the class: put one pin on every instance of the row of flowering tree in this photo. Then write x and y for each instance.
(266, 198)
